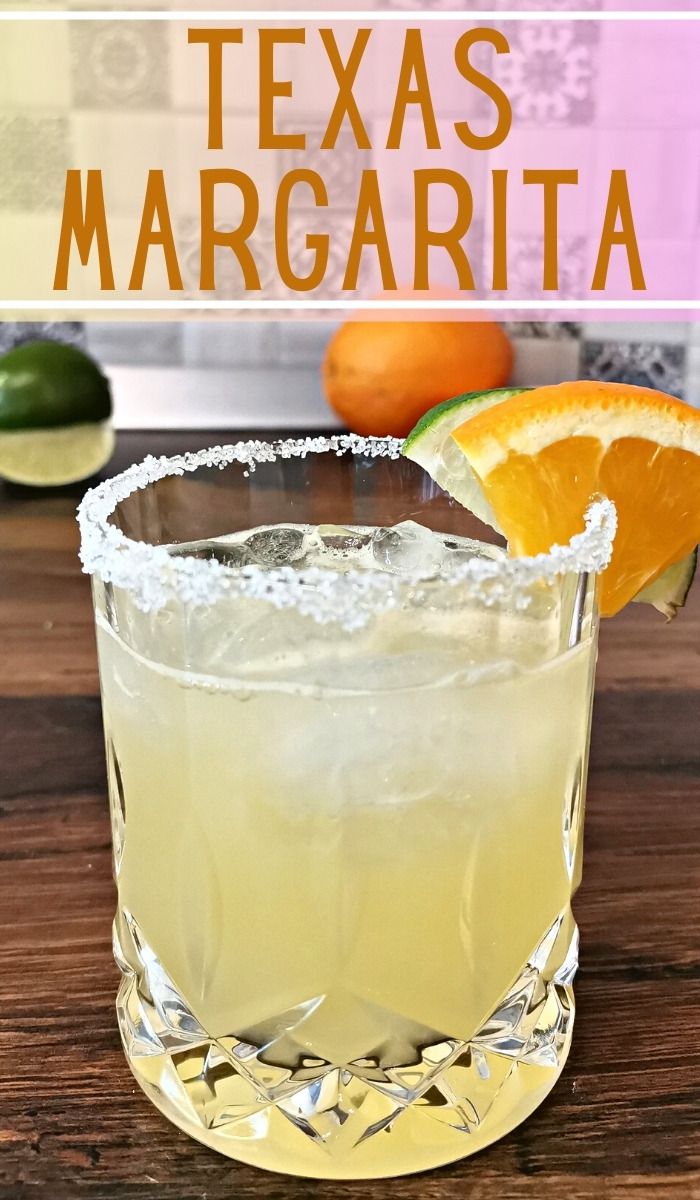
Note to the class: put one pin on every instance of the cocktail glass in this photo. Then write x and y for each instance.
(347, 752)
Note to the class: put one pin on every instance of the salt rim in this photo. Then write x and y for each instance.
(154, 577)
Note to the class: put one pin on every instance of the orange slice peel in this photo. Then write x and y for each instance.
(537, 458)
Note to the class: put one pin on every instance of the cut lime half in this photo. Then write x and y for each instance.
(52, 457)
(55, 410)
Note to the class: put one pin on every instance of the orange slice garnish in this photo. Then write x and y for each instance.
(542, 455)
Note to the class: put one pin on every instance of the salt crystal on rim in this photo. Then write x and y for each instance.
(154, 577)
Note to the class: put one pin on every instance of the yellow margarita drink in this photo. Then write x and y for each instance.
(345, 852)
(347, 752)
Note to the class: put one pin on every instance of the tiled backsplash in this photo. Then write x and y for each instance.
(245, 373)
(129, 96)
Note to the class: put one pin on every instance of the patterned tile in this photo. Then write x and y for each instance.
(550, 330)
(579, 206)
(442, 271)
(34, 152)
(525, 266)
(340, 233)
(125, 145)
(550, 73)
(120, 64)
(340, 168)
(646, 364)
(546, 352)
(396, 167)
(15, 333)
(229, 277)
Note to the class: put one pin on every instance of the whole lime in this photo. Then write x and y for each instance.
(55, 410)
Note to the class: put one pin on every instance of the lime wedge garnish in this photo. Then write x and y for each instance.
(430, 445)
(668, 593)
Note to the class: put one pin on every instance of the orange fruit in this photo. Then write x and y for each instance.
(541, 455)
(381, 376)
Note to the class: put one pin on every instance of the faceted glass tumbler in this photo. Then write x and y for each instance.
(346, 808)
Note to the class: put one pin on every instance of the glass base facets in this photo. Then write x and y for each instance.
(417, 1099)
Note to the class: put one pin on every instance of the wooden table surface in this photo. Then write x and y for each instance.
(622, 1121)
